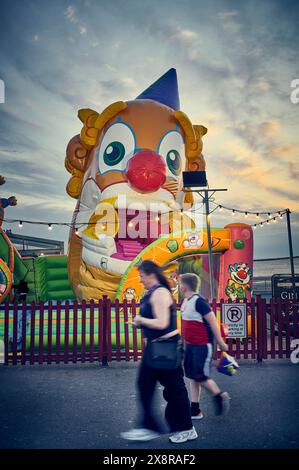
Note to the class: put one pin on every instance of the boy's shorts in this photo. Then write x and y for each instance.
(197, 361)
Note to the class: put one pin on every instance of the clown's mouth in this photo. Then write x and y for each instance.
(137, 221)
(136, 234)
(115, 253)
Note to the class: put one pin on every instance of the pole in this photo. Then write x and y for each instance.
(208, 224)
(288, 212)
(104, 332)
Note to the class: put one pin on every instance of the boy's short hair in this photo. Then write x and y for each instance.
(191, 280)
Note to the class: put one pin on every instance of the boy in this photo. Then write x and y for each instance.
(199, 329)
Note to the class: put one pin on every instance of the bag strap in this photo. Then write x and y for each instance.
(166, 336)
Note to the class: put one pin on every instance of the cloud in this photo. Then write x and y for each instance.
(288, 194)
(38, 201)
(246, 169)
(254, 52)
(262, 85)
(234, 73)
(229, 22)
(294, 170)
(124, 86)
(71, 15)
(185, 35)
(269, 128)
(110, 67)
(82, 30)
(284, 151)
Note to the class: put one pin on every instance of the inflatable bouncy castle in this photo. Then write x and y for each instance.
(126, 174)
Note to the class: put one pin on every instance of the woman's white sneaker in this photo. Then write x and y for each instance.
(183, 436)
(141, 435)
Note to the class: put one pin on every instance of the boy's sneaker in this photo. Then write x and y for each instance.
(141, 435)
(183, 436)
(198, 415)
(221, 403)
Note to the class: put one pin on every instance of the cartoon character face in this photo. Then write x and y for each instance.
(193, 240)
(139, 153)
(129, 294)
(130, 156)
(240, 273)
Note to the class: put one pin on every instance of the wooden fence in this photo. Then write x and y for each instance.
(101, 331)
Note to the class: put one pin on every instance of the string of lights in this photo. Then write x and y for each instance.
(81, 224)
(258, 214)
(270, 219)
(276, 215)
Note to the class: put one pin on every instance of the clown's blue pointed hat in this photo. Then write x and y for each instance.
(164, 90)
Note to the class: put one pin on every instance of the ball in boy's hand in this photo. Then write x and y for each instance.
(227, 365)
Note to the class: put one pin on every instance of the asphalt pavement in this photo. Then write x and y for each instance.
(86, 406)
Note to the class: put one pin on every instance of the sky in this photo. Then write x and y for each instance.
(235, 62)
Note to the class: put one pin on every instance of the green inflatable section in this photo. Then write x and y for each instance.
(52, 278)
(47, 276)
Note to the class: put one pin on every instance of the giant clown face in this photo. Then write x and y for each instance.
(128, 158)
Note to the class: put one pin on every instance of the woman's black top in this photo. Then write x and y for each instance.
(146, 312)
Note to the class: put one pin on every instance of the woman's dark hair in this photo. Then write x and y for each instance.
(149, 267)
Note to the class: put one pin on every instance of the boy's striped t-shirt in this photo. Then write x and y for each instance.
(195, 329)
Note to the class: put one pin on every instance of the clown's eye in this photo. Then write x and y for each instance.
(114, 153)
(116, 148)
(174, 162)
(172, 149)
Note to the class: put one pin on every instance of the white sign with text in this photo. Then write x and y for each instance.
(234, 315)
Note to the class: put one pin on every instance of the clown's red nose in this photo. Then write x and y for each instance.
(146, 171)
(242, 274)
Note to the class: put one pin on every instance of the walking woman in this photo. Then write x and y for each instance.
(161, 361)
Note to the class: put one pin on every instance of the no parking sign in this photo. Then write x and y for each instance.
(234, 315)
